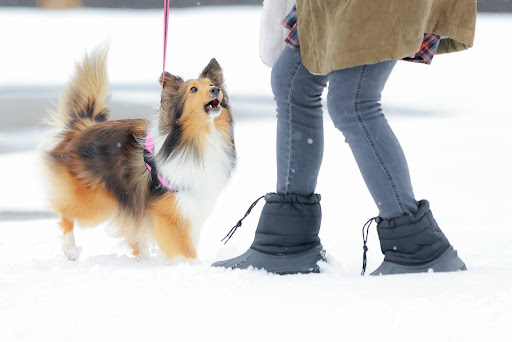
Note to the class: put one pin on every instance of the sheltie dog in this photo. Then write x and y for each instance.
(154, 180)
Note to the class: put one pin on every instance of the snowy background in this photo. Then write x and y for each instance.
(453, 119)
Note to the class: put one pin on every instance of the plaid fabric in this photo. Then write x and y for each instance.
(424, 55)
(290, 22)
(427, 51)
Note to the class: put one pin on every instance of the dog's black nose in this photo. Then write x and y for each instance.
(215, 91)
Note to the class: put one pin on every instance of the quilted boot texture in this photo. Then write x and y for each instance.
(286, 239)
(414, 244)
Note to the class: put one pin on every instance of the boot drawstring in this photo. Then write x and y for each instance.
(365, 239)
(239, 223)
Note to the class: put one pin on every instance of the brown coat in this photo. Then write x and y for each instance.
(337, 34)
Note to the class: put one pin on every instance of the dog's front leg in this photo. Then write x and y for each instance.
(68, 239)
(171, 231)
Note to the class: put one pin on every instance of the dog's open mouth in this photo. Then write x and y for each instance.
(213, 108)
(212, 104)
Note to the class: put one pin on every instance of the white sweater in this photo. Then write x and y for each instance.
(272, 32)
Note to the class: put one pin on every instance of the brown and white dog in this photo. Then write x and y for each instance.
(155, 178)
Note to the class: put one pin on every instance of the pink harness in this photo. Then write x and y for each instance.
(150, 147)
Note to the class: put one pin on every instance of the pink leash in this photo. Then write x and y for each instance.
(150, 144)
(167, 3)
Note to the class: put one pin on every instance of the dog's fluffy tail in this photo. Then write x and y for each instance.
(84, 101)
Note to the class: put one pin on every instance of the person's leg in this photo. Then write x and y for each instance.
(410, 238)
(300, 140)
(286, 239)
(354, 106)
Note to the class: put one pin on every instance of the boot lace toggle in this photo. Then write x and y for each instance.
(366, 226)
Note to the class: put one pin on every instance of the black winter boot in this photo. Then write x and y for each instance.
(286, 239)
(414, 244)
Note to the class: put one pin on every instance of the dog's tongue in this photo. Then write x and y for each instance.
(215, 103)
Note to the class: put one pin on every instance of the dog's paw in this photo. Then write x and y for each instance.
(181, 260)
(141, 258)
(73, 253)
(140, 251)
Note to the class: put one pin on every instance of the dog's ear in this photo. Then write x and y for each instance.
(213, 71)
(171, 107)
(171, 82)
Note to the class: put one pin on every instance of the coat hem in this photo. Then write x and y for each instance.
(360, 57)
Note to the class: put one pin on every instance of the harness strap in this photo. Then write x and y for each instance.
(156, 179)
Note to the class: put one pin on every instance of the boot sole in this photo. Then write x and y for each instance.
(305, 262)
(449, 261)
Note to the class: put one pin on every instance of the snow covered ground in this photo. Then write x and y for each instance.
(452, 119)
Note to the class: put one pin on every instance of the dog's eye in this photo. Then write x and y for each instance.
(193, 89)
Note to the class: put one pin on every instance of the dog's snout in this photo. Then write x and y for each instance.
(215, 91)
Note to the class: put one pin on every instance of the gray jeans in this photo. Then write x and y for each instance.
(354, 105)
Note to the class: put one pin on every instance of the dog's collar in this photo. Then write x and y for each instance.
(156, 179)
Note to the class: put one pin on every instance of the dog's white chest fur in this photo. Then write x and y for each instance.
(199, 181)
